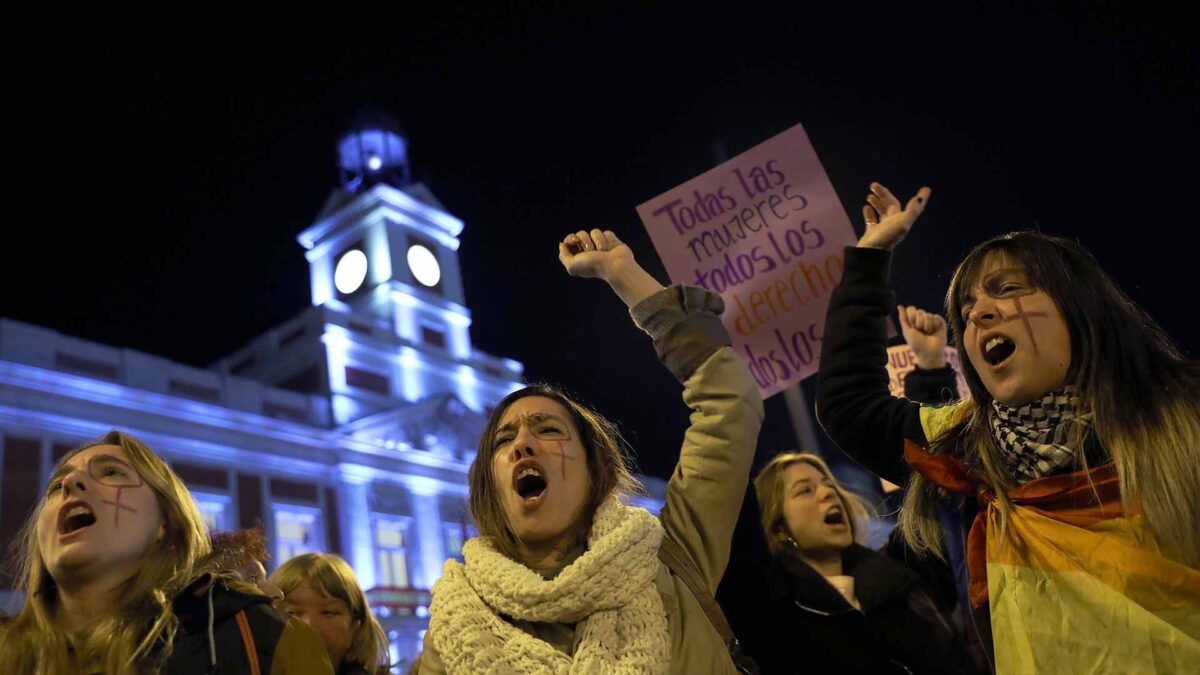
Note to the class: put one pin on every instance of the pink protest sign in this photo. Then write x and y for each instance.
(901, 361)
(765, 231)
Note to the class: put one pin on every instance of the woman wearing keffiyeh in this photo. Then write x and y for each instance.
(1076, 459)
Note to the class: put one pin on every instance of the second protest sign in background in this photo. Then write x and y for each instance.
(766, 231)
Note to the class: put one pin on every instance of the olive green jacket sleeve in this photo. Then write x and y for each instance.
(300, 651)
(704, 495)
(705, 492)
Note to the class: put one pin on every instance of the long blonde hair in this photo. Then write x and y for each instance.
(139, 634)
(1142, 393)
(331, 575)
(770, 489)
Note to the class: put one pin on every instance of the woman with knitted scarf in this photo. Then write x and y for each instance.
(565, 578)
(1075, 462)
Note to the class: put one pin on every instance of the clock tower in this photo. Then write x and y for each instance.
(389, 326)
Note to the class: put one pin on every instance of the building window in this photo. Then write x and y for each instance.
(215, 509)
(284, 412)
(365, 379)
(456, 535)
(307, 381)
(192, 390)
(433, 337)
(297, 531)
(391, 562)
(79, 364)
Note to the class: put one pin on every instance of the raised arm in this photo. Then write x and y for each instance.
(933, 381)
(705, 491)
(853, 402)
(600, 254)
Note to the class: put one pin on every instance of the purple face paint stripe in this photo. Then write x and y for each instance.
(1025, 320)
(119, 506)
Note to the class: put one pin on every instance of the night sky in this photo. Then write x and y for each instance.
(161, 175)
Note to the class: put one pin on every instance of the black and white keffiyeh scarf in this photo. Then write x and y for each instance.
(1034, 437)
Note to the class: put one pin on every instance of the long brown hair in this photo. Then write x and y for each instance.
(139, 634)
(770, 489)
(1142, 392)
(607, 462)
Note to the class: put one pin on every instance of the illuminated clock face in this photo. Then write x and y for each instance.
(351, 271)
(424, 265)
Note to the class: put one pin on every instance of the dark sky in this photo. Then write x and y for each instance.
(164, 172)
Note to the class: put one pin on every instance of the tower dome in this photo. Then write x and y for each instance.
(373, 150)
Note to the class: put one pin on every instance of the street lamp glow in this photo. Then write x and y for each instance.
(373, 162)
(424, 265)
(351, 271)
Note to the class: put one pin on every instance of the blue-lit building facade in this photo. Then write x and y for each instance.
(347, 429)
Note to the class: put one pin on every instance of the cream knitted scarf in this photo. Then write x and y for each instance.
(609, 591)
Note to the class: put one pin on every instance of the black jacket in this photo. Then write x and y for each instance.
(853, 401)
(245, 629)
(898, 630)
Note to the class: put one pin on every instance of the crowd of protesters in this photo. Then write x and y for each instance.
(1049, 521)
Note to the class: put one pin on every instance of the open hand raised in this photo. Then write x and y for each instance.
(887, 223)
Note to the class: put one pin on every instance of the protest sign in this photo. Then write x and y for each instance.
(901, 361)
(766, 231)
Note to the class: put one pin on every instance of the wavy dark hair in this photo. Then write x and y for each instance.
(608, 464)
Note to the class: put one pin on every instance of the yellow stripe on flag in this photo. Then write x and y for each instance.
(1103, 599)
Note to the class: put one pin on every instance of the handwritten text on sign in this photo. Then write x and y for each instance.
(901, 361)
(766, 232)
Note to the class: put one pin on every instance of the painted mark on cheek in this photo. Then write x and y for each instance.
(1024, 316)
(117, 507)
(562, 460)
(561, 439)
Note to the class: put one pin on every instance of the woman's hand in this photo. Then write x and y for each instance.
(887, 223)
(602, 255)
(596, 254)
(925, 333)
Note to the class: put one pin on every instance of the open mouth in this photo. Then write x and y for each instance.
(75, 518)
(530, 483)
(835, 516)
(997, 349)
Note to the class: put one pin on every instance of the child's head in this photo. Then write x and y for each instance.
(321, 590)
(243, 553)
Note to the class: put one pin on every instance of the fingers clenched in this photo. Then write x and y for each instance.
(585, 241)
(599, 240)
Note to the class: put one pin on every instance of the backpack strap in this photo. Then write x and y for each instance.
(676, 559)
(248, 639)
